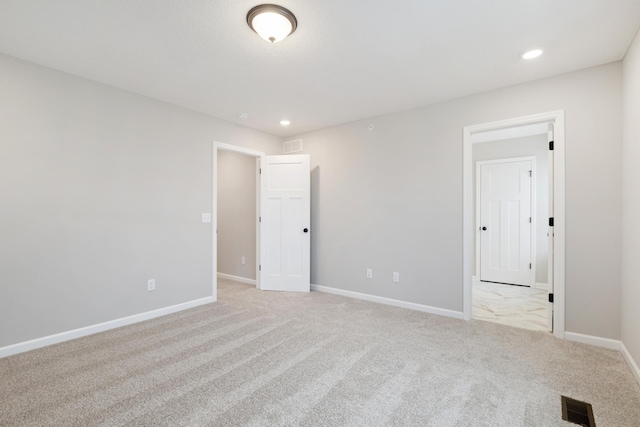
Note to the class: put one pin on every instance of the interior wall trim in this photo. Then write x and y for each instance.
(389, 301)
(236, 278)
(100, 327)
(632, 363)
(592, 340)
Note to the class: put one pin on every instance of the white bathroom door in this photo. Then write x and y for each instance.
(506, 221)
(285, 225)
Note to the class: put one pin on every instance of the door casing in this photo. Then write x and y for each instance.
(468, 225)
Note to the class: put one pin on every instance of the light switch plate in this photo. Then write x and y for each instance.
(206, 217)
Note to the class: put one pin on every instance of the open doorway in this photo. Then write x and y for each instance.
(514, 237)
(511, 181)
(282, 220)
(237, 243)
(237, 217)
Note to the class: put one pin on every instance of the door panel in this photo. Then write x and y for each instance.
(505, 220)
(273, 224)
(286, 194)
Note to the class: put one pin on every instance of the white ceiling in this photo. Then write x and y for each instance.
(348, 59)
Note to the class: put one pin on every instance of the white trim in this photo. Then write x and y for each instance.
(100, 327)
(632, 363)
(557, 118)
(591, 340)
(389, 301)
(236, 278)
(259, 155)
(510, 133)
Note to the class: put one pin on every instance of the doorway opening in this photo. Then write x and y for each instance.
(242, 256)
(513, 230)
(511, 201)
(282, 220)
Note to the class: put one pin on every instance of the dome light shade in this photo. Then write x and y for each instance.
(271, 22)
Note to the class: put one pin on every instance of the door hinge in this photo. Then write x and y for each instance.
(529, 220)
(259, 219)
(529, 266)
(260, 267)
(530, 174)
(550, 145)
(551, 298)
(551, 222)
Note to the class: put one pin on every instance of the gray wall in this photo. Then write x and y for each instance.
(536, 146)
(391, 199)
(631, 202)
(236, 214)
(100, 190)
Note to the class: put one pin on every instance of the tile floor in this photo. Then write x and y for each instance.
(511, 305)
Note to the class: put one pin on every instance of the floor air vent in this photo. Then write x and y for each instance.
(577, 412)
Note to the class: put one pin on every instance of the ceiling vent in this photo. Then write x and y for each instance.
(293, 146)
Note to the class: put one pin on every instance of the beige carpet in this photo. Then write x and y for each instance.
(267, 358)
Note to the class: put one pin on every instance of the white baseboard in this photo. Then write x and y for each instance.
(100, 327)
(590, 339)
(632, 363)
(389, 301)
(236, 278)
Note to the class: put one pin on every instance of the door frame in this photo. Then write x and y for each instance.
(557, 119)
(259, 155)
(533, 205)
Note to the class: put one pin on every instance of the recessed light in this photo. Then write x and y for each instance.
(532, 54)
(285, 122)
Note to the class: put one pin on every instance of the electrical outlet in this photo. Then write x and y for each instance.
(369, 273)
(243, 260)
(151, 284)
(396, 277)
(206, 217)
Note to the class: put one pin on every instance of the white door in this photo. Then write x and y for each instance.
(506, 221)
(285, 223)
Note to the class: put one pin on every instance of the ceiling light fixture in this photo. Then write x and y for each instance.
(532, 54)
(272, 22)
(285, 122)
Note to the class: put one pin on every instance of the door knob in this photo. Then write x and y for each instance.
(306, 230)
(484, 228)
